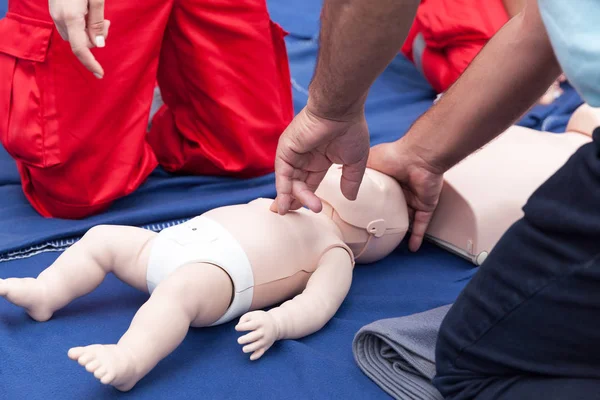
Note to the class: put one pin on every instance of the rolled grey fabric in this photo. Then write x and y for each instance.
(398, 354)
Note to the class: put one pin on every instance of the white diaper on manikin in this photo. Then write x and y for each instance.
(202, 239)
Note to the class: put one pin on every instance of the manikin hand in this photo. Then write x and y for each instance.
(82, 24)
(264, 333)
(421, 181)
(308, 147)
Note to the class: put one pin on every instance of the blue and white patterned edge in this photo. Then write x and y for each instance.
(62, 244)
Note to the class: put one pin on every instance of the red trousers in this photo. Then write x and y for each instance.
(80, 143)
(452, 32)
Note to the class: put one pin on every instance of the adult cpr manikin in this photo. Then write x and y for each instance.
(484, 194)
(229, 262)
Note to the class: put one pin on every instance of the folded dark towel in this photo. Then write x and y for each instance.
(398, 354)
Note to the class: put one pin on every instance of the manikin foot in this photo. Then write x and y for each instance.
(28, 293)
(111, 364)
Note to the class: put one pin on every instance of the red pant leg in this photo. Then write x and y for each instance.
(453, 33)
(225, 81)
(442, 69)
(79, 142)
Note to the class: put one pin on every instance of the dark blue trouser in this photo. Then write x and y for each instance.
(527, 326)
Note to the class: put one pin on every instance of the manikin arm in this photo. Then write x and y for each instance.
(304, 314)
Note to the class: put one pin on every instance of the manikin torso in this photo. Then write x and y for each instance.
(284, 251)
(484, 194)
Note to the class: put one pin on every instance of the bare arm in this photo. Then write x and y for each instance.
(513, 7)
(304, 314)
(358, 39)
(506, 78)
(326, 290)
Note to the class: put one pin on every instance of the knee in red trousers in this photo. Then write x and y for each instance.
(446, 35)
(80, 143)
(225, 106)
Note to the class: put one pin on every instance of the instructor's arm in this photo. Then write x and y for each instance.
(358, 39)
(512, 71)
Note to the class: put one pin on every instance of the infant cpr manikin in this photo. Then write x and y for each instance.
(229, 262)
(484, 194)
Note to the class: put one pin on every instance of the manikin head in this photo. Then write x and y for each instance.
(375, 223)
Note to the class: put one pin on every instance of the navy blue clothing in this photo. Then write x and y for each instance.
(527, 326)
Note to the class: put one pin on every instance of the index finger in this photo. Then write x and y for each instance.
(283, 185)
(352, 176)
(78, 39)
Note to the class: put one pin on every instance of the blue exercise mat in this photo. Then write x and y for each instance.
(210, 364)
(299, 18)
(553, 117)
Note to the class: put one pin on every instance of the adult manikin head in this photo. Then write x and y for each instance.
(375, 223)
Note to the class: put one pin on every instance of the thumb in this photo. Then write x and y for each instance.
(420, 225)
(96, 24)
(352, 176)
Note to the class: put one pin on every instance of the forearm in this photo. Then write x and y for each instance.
(358, 39)
(312, 309)
(513, 7)
(302, 316)
(509, 75)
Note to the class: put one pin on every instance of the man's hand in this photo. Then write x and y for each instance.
(421, 181)
(308, 147)
(357, 40)
(82, 24)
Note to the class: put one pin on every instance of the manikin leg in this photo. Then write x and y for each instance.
(81, 268)
(195, 294)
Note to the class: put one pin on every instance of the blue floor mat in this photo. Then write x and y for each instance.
(299, 18)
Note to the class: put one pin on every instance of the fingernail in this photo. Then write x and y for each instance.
(97, 75)
(100, 41)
